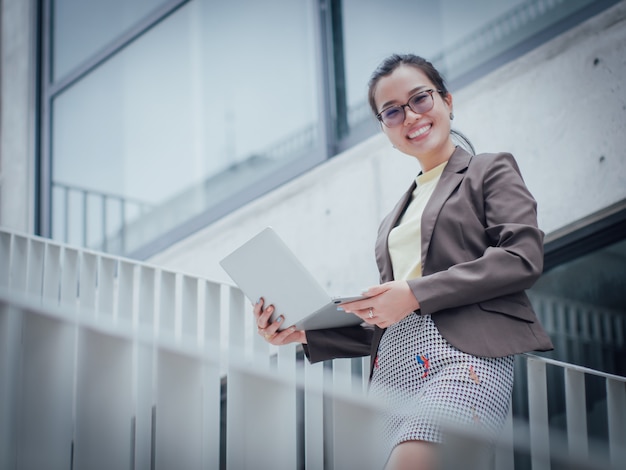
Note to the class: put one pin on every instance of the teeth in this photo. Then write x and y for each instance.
(419, 132)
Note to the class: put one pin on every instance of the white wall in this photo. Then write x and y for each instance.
(560, 109)
(17, 194)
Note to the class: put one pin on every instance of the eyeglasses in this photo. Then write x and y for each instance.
(419, 103)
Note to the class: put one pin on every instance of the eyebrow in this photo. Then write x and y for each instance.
(411, 93)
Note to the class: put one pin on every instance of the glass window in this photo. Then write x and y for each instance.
(206, 107)
(457, 36)
(82, 28)
(208, 104)
(582, 304)
(372, 30)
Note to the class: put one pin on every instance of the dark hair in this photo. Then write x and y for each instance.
(394, 61)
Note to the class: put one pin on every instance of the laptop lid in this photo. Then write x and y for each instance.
(265, 267)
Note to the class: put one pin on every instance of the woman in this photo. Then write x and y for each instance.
(455, 256)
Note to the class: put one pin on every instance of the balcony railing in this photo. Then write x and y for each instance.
(110, 363)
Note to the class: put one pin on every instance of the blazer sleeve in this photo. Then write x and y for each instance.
(513, 253)
(346, 342)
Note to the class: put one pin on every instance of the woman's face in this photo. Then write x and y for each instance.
(425, 136)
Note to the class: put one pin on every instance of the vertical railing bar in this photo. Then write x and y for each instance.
(538, 414)
(122, 226)
(146, 291)
(619, 329)
(189, 308)
(69, 277)
(597, 328)
(133, 442)
(35, 269)
(616, 411)
(366, 364)
(66, 209)
(106, 286)
(103, 198)
(88, 282)
(607, 330)
(210, 324)
(19, 263)
(341, 383)
(572, 323)
(576, 413)
(504, 453)
(287, 369)
(561, 312)
(5, 259)
(585, 331)
(235, 419)
(153, 424)
(313, 417)
(11, 331)
(143, 306)
(84, 198)
(125, 290)
(52, 273)
(167, 303)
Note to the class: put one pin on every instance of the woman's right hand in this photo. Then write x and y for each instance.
(269, 329)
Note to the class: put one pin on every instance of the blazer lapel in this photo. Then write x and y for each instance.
(450, 178)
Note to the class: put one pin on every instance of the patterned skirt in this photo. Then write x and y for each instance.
(424, 382)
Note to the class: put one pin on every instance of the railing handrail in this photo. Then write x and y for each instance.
(102, 194)
(575, 367)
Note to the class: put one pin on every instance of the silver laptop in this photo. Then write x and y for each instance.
(265, 267)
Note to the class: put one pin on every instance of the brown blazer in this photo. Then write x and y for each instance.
(481, 248)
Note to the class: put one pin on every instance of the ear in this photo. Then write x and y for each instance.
(448, 101)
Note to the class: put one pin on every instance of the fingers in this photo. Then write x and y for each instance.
(262, 315)
(377, 290)
(272, 327)
(361, 307)
(269, 329)
(288, 335)
(367, 314)
(273, 335)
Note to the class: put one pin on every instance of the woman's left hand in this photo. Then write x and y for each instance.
(386, 304)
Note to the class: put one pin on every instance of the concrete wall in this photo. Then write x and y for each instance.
(17, 105)
(560, 109)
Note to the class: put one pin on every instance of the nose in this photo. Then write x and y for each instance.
(410, 116)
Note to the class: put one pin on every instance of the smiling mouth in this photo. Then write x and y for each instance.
(419, 132)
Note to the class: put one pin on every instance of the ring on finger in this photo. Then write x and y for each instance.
(268, 336)
(371, 314)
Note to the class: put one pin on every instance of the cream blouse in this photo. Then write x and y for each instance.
(404, 242)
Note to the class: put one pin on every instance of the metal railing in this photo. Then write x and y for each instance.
(110, 363)
(94, 218)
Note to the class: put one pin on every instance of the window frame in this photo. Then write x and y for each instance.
(595, 231)
(332, 109)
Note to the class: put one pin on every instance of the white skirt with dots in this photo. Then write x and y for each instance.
(423, 382)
